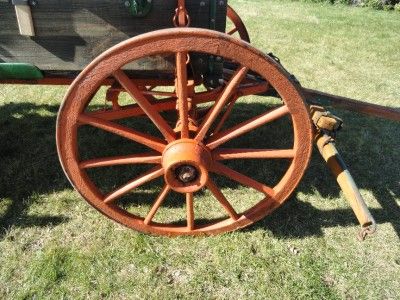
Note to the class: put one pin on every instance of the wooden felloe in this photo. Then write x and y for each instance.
(24, 18)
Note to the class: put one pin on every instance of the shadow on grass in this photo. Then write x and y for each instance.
(370, 148)
(29, 166)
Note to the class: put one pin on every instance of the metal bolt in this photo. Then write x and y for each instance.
(202, 3)
(212, 20)
(187, 173)
(33, 2)
(127, 3)
(221, 3)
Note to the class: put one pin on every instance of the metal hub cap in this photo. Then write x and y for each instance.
(186, 163)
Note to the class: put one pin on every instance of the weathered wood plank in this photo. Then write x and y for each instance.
(24, 18)
(71, 33)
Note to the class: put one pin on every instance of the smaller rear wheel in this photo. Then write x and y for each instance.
(237, 25)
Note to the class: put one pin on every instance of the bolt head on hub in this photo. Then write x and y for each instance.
(186, 173)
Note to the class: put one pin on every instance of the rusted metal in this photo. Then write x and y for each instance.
(181, 18)
(325, 120)
(184, 163)
(112, 95)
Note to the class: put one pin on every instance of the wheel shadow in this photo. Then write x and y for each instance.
(29, 166)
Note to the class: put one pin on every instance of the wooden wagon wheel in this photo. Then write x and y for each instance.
(187, 160)
(239, 26)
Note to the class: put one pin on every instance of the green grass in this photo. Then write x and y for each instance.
(53, 245)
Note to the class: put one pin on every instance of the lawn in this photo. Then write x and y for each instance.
(53, 245)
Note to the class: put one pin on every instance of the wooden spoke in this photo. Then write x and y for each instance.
(142, 179)
(233, 31)
(225, 116)
(238, 23)
(182, 92)
(221, 102)
(244, 127)
(207, 96)
(141, 138)
(221, 199)
(243, 90)
(166, 104)
(159, 201)
(251, 84)
(189, 211)
(145, 158)
(224, 154)
(132, 110)
(242, 179)
(253, 89)
(159, 93)
(144, 103)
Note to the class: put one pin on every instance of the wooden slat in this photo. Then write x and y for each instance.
(71, 33)
(24, 18)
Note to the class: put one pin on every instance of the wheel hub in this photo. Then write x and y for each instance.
(186, 163)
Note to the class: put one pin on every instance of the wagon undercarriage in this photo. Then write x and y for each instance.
(185, 82)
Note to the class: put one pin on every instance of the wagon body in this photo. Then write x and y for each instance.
(69, 34)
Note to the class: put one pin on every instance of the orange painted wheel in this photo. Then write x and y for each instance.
(238, 25)
(189, 161)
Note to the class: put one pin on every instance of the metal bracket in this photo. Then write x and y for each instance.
(325, 121)
(213, 14)
(24, 17)
(139, 8)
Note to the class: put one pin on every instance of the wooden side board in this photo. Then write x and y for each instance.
(69, 34)
(25, 20)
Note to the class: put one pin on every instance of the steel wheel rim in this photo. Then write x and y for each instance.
(180, 40)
